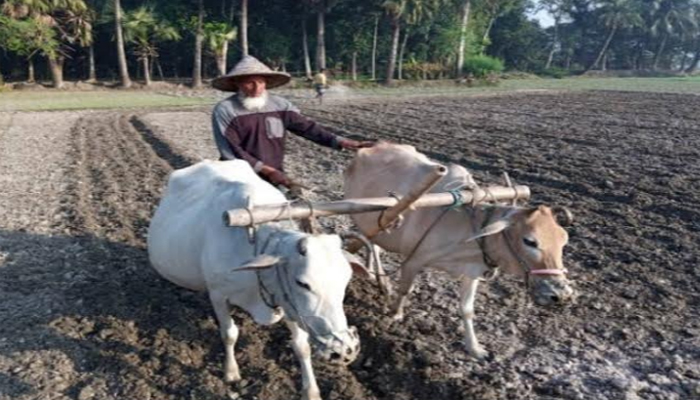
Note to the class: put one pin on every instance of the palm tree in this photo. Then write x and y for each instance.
(244, 27)
(672, 16)
(26, 38)
(402, 50)
(143, 28)
(58, 15)
(494, 9)
(218, 35)
(121, 53)
(198, 40)
(82, 21)
(556, 8)
(695, 11)
(466, 8)
(410, 11)
(322, 8)
(616, 14)
(305, 45)
(374, 47)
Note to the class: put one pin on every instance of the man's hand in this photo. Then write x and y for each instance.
(355, 145)
(275, 176)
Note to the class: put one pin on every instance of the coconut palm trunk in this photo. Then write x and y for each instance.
(553, 50)
(604, 48)
(395, 32)
(374, 48)
(30, 70)
(320, 40)
(353, 66)
(146, 70)
(659, 52)
(244, 27)
(221, 59)
(487, 32)
(121, 54)
(401, 53)
(92, 74)
(696, 59)
(305, 44)
(199, 39)
(466, 8)
(56, 67)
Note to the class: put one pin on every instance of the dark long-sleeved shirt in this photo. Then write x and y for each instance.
(258, 136)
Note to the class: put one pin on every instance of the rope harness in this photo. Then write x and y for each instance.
(493, 265)
(284, 282)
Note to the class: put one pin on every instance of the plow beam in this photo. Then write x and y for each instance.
(278, 212)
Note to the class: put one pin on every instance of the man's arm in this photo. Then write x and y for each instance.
(271, 174)
(220, 120)
(234, 141)
(306, 128)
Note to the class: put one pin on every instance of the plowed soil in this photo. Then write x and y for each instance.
(83, 315)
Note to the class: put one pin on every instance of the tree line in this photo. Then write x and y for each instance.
(127, 40)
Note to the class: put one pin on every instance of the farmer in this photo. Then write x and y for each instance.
(320, 82)
(251, 124)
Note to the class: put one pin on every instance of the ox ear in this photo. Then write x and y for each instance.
(358, 267)
(491, 229)
(260, 262)
(563, 215)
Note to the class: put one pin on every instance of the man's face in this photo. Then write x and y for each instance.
(252, 86)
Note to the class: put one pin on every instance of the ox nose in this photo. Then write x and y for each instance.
(341, 350)
(553, 292)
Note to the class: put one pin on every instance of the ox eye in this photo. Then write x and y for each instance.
(304, 285)
(530, 242)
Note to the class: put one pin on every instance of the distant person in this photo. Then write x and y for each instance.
(320, 84)
(251, 124)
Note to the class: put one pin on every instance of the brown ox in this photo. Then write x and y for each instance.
(465, 242)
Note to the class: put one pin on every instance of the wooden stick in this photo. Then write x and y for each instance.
(391, 214)
(277, 212)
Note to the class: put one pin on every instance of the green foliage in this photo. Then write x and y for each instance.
(414, 69)
(480, 66)
(27, 37)
(217, 34)
(619, 34)
(144, 28)
(555, 72)
(275, 49)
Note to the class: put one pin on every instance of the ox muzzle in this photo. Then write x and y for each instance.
(332, 347)
(550, 290)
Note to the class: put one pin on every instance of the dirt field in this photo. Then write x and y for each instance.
(83, 316)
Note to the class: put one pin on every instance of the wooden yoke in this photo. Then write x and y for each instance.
(277, 212)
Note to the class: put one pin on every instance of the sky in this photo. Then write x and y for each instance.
(544, 18)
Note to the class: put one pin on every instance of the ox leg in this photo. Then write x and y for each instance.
(383, 280)
(229, 334)
(466, 306)
(408, 276)
(302, 349)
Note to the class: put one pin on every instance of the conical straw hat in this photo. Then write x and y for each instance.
(250, 66)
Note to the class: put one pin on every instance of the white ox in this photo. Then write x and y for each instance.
(284, 273)
(465, 242)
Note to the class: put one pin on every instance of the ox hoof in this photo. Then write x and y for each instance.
(397, 316)
(478, 353)
(232, 377)
(312, 395)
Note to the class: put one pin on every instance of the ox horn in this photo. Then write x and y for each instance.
(357, 239)
(302, 245)
(563, 215)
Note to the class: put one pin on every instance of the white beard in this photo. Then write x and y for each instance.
(253, 103)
